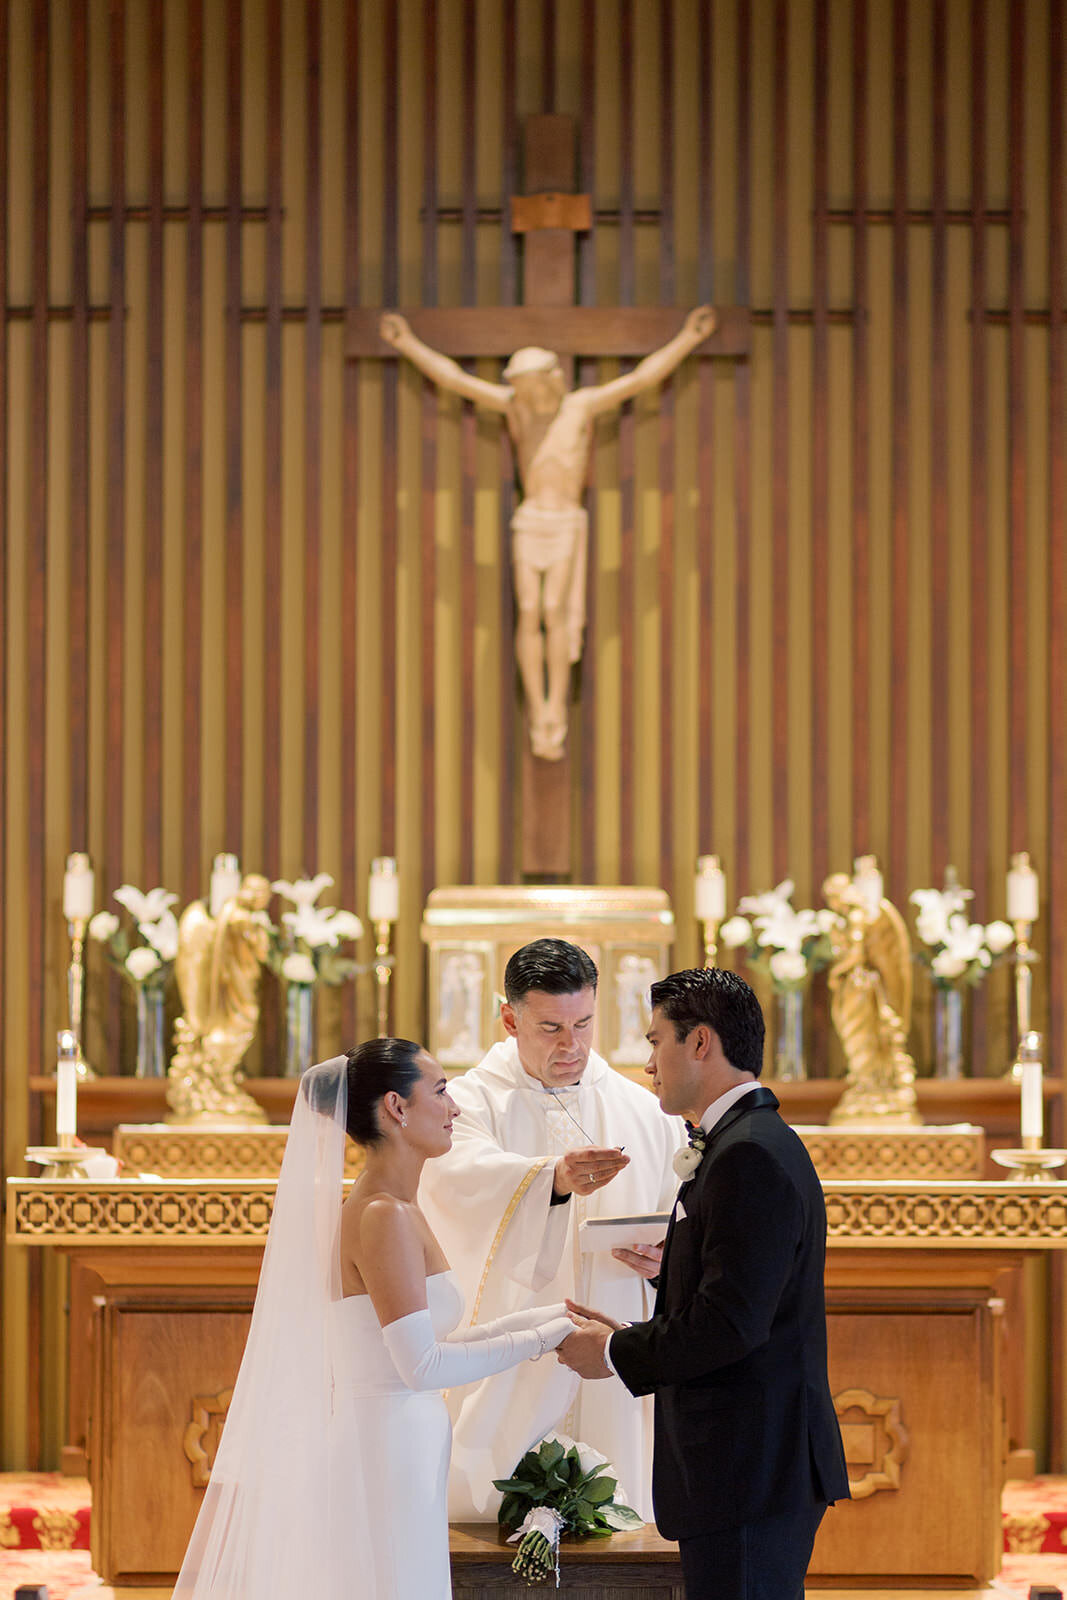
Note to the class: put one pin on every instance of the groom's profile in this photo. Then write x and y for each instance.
(747, 1453)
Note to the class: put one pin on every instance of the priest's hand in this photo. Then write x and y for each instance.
(582, 1314)
(644, 1259)
(583, 1350)
(587, 1170)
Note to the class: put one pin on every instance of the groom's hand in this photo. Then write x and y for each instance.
(644, 1259)
(583, 1350)
(587, 1314)
(587, 1170)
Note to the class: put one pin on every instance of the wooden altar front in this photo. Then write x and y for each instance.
(913, 1278)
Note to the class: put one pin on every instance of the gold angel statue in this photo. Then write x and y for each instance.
(218, 966)
(870, 1001)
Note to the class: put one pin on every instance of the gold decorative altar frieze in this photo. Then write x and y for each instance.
(188, 1211)
(159, 1150)
(987, 1216)
(884, 1154)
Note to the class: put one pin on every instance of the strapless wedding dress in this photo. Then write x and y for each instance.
(390, 1447)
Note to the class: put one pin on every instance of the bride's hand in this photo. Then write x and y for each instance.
(589, 1315)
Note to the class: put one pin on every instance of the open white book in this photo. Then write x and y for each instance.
(620, 1233)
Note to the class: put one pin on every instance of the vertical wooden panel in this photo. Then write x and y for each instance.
(1018, 817)
(78, 608)
(820, 502)
(312, 432)
(548, 55)
(940, 747)
(588, 766)
(706, 810)
(860, 508)
(114, 866)
(192, 601)
(8, 1314)
(391, 113)
(780, 456)
(234, 562)
(427, 506)
(350, 506)
(1057, 634)
(152, 797)
(509, 279)
(272, 449)
(897, 865)
(627, 562)
(979, 608)
(468, 472)
(667, 277)
(743, 460)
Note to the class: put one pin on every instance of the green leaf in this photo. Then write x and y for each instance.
(551, 1453)
(620, 1517)
(600, 1491)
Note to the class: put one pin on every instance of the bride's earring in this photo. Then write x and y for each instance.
(403, 1122)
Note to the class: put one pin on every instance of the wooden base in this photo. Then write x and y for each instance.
(601, 1568)
(546, 815)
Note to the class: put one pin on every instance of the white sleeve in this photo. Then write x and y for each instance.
(424, 1362)
(515, 1322)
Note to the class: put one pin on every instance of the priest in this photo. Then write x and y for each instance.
(549, 1135)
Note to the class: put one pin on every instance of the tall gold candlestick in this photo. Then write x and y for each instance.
(711, 943)
(76, 990)
(1024, 958)
(383, 967)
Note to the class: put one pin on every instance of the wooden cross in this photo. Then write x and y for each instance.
(548, 217)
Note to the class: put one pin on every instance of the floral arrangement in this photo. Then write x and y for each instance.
(687, 1161)
(560, 1487)
(150, 963)
(305, 950)
(787, 944)
(956, 950)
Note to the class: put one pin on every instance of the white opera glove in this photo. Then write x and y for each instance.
(517, 1322)
(425, 1362)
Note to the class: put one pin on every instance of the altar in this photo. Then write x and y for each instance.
(915, 1273)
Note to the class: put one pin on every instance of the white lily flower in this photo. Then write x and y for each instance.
(346, 925)
(299, 968)
(767, 905)
(965, 939)
(998, 936)
(735, 932)
(788, 966)
(105, 923)
(947, 965)
(141, 963)
(305, 891)
(826, 920)
(313, 924)
(162, 935)
(144, 907)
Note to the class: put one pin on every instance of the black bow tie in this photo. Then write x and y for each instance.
(696, 1136)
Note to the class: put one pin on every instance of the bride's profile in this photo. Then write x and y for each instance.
(330, 1476)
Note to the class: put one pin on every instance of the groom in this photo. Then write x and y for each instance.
(747, 1447)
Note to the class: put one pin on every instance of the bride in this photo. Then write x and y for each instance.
(331, 1472)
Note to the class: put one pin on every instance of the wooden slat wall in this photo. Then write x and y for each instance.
(256, 599)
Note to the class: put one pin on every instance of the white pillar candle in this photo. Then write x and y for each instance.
(710, 895)
(384, 897)
(868, 880)
(66, 1084)
(1022, 889)
(78, 888)
(225, 881)
(1032, 1117)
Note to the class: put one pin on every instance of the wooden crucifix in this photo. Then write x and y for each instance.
(551, 427)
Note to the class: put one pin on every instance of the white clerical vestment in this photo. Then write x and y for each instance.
(488, 1202)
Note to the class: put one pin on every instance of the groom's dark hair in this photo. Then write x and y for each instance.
(720, 1000)
(551, 965)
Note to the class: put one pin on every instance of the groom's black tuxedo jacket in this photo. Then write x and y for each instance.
(735, 1351)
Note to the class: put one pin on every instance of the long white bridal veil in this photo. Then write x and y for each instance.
(264, 1529)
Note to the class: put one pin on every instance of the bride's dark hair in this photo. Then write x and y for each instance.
(376, 1068)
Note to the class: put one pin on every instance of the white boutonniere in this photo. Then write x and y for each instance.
(688, 1160)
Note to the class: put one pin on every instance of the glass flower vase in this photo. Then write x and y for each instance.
(948, 1033)
(151, 1056)
(298, 1028)
(789, 1036)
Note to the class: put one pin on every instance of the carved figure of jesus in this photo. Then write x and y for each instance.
(551, 428)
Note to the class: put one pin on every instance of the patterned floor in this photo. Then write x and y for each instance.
(44, 1539)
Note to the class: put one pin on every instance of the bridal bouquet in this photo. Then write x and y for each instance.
(306, 951)
(788, 945)
(560, 1487)
(147, 964)
(956, 950)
